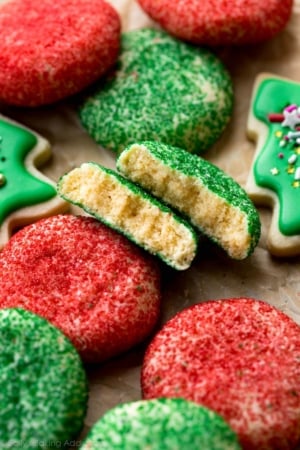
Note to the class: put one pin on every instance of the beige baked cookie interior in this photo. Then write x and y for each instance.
(126, 208)
(185, 188)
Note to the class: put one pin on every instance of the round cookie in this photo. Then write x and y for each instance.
(238, 357)
(101, 290)
(219, 22)
(161, 424)
(43, 386)
(51, 50)
(164, 90)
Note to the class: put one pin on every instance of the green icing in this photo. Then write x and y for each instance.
(43, 386)
(18, 188)
(164, 90)
(161, 424)
(271, 167)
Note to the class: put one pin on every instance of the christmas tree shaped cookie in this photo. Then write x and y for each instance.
(274, 180)
(26, 194)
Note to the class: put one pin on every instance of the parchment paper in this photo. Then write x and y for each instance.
(212, 275)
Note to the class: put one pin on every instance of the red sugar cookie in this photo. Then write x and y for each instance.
(239, 357)
(101, 290)
(220, 22)
(50, 50)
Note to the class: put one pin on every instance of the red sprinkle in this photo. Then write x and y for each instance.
(53, 49)
(239, 357)
(101, 290)
(273, 117)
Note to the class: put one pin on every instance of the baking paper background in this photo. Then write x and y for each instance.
(213, 275)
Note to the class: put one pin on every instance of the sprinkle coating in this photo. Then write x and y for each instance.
(43, 386)
(219, 22)
(214, 202)
(92, 283)
(239, 357)
(161, 424)
(163, 90)
(51, 50)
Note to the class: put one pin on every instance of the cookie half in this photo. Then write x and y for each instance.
(161, 424)
(238, 357)
(216, 204)
(125, 207)
(163, 90)
(43, 386)
(98, 288)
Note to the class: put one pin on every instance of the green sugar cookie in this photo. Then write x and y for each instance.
(163, 90)
(127, 208)
(161, 424)
(216, 204)
(43, 387)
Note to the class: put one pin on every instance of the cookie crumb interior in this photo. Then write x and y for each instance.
(224, 223)
(104, 196)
